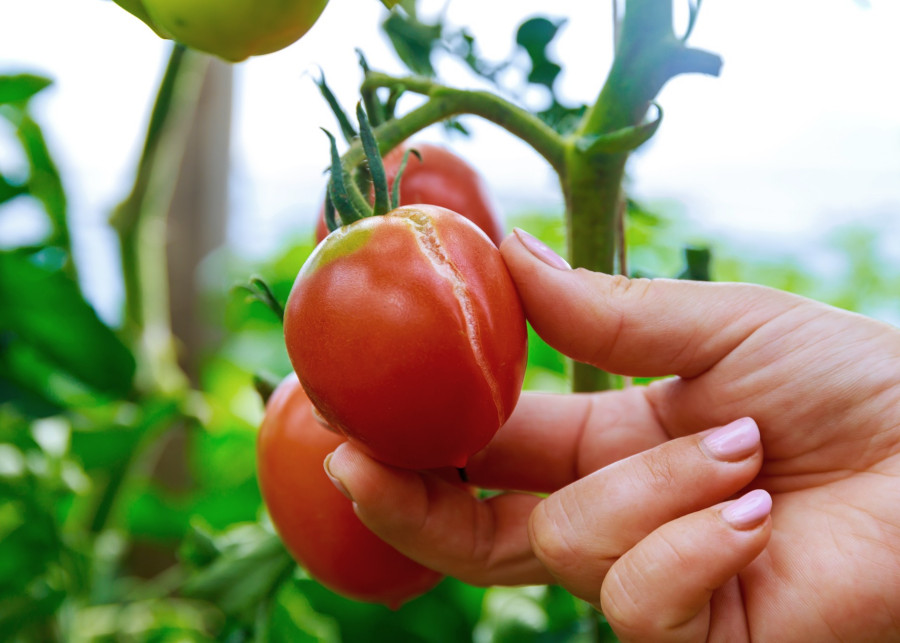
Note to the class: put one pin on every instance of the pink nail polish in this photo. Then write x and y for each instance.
(334, 479)
(748, 511)
(733, 441)
(541, 250)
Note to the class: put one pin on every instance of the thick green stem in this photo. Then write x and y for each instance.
(445, 102)
(592, 192)
(140, 222)
(647, 56)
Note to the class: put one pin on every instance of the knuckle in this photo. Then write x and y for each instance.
(621, 602)
(623, 294)
(661, 471)
(553, 531)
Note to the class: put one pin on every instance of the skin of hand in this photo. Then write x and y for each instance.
(752, 495)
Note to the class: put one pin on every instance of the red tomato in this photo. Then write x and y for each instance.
(408, 335)
(440, 178)
(315, 521)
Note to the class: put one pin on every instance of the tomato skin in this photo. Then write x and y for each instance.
(440, 178)
(234, 29)
(314, 520)
(417, 361)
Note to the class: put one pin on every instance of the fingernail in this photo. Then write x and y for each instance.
(733, 441)
(541, 250)
(749, 510)
(334, 479)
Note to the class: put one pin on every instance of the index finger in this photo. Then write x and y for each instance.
(639, 327)
(552, 440)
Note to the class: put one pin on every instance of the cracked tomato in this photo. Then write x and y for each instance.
(408, 335)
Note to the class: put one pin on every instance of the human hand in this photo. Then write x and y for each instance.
(659, 505)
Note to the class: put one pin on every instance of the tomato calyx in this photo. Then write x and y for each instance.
(343, 200)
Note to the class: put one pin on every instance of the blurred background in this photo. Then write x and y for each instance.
(797, 139)
(129, 504)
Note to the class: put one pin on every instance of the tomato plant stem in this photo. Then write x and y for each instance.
(445, 102)
(140, 222)
(648, 54)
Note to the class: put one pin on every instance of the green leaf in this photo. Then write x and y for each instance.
(294, 619)
(44, 311)
(44, 182)
(20, 88)
(9, 191)
(534, 36)
(622, 140)
(413, 40)
(250, 565)
(446, 614)
(260, 290)
(562, 118)
(698, 261)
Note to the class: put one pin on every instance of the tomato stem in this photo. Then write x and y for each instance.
(648, 54)
(445, 102)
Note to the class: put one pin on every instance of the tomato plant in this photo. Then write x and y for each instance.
(408, 335)
(440, 178)
(231, 29)
(315, 521)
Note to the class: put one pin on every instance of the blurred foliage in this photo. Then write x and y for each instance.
(421, 42)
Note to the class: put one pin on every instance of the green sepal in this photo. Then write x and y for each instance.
(265, 384)
(395, 192)
(331, 219)
(622, 140)
(18, 89)
(374, 107)
(376, 165)
(337, 190)
(343, 120)
(260, 290)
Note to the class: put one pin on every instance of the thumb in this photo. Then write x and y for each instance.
(639, 327)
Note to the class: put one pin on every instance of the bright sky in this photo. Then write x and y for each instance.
(800, 133)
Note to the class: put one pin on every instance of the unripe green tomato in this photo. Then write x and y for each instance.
(136, 8)
(235, 29)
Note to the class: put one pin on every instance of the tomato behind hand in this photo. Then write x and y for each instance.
(315, 521)
(232, 29)
(408, 335)
(441, 178)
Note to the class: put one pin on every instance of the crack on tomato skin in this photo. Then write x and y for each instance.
(429, 242)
